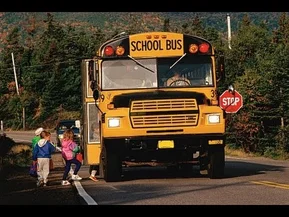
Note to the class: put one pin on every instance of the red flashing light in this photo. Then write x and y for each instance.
(204, 47)
(108, 51)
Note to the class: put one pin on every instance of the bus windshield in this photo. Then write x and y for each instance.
(157, 73)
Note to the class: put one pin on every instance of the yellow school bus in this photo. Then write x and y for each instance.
(151, 99)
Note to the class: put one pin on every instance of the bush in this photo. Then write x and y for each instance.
(6, 144)
(19, 155)
(12, 153)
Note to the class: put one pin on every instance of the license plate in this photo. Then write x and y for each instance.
(166, 144)
(216, 142)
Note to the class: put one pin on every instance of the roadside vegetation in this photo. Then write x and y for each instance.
(270, 153)
(13, 155)
(48, 53)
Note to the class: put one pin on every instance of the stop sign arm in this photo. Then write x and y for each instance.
(230, 101)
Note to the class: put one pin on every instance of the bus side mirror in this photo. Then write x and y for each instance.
(93, 74)
(92, 70)
(220, 67)
(95, 94)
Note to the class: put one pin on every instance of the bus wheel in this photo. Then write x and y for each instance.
(112, 165)
(216, 166)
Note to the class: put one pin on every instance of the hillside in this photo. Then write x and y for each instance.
(155, 19)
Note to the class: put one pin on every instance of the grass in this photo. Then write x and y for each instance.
(237, 152)
(269, 153)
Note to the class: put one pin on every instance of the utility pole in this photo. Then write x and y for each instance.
(15, 76)
(17, 90)
(229, 30)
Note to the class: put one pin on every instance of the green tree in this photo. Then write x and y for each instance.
(167, 27)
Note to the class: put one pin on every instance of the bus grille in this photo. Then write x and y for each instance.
(165, 120)
(164, 105)
(164, 113)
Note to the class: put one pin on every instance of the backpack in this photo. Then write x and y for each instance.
(33, 169)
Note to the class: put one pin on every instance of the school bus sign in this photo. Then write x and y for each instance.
(156, 44)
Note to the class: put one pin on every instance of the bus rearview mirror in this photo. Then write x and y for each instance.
(95, 94)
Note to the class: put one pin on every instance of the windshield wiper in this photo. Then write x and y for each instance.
(178, 60)
(139, 63)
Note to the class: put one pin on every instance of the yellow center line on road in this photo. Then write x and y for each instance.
(272, 184)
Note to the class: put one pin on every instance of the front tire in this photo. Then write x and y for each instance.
(112, 164)
(216, 166)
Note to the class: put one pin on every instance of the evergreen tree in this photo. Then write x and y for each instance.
(167, 27)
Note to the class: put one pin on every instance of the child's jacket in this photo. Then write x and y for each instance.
(43, 149)
(69, 148)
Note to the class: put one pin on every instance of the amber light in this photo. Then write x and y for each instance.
(214, 102)
(119, 50)
(204, 47)
(149, 37)
(108, 51)
(193, 48)
(110, 106)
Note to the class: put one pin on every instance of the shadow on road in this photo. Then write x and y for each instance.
(232, 169)
(241, 168)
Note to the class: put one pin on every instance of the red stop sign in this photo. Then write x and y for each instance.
(231, 102)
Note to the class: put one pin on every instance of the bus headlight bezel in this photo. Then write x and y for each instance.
(113, 122)
(213, 118)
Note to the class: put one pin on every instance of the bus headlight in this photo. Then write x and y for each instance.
(113, 122)
(213, 118)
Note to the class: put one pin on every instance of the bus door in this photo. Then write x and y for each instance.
(91, 114)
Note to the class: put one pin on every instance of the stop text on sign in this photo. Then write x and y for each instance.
(230, 101)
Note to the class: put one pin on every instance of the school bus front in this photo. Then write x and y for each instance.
(157, 98)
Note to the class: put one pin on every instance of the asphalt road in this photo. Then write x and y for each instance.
(247, 181)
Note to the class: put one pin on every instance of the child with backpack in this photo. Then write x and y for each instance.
(69, 150)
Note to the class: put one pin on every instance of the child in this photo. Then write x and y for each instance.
(42, 154)
(93, 169)
(94, 138)
(69, 149)
(36, 138)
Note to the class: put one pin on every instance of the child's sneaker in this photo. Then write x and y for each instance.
(93, 178)
(65, 182)
(76, 178)
(39, 183)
